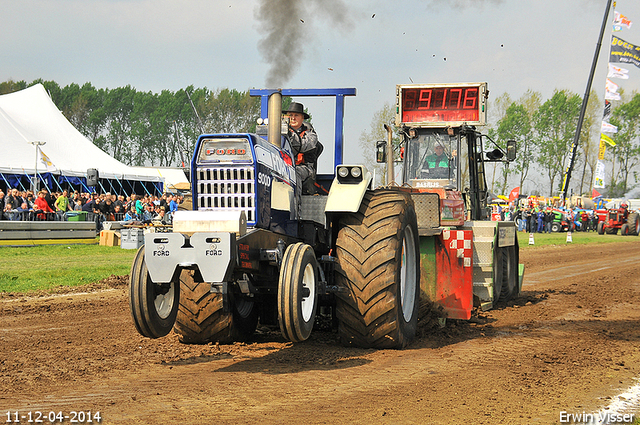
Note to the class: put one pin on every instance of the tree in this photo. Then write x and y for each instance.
(368, 139)
(555, 123)
(627, 150)
(516, 125)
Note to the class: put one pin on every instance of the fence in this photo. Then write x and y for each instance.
(58, 216)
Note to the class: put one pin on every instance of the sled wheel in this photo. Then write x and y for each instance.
(154, 306)
(297, 299)
(509, 273)
(601, 228)
(201, 318)
(377, 251)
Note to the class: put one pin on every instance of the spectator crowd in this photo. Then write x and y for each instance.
(541, 219)
(18, 205)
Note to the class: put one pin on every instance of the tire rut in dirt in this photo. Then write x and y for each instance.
(202, 319)
(369, 248)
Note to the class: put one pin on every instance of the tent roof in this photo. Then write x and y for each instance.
(30, 115)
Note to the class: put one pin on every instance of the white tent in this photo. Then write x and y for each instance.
(28, 116)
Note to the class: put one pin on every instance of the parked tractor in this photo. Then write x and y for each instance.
(254, 249)
(620, 219)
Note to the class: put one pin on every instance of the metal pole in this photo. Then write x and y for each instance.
(390, 156)
(37, 144)
(585, 100)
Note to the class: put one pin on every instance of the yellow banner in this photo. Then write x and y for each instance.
(608, 140)
(603, 148)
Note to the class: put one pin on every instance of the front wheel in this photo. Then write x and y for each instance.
(378, 257)
(297, 297)
(601, 228)
(154, 306)
(555, 227)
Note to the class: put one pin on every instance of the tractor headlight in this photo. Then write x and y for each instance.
(349, 174)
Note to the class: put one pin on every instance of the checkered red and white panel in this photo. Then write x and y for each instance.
(460, 243)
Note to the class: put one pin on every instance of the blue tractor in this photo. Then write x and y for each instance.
(255, 249)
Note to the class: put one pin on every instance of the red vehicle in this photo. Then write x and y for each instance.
(620, 219)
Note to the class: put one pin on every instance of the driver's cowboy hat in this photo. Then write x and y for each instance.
(297, 108)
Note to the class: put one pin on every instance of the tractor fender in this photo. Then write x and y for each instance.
(346, 193)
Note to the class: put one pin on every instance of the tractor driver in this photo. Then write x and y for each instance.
(305, 145)
(625, 211)
(436, 165)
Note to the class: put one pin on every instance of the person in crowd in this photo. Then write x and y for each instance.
(162, 217)
(41, 206)
(540, 228)
(1, 201)
(584, 218)
(24, 212)
(13, 197)
(148, 214)
(8, 212)
(62, 205)
(132, 214)
(549, 216)
(139, 204)
(173, 204)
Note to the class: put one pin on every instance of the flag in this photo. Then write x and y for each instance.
(46, 161)
(608, 128)
(611, 92)
(607, 111)
(602, 149)
(608, 140)
(595, 193)
(515, 193)
(617, 72)
(623, 51)
(619, 21)
(598, 176)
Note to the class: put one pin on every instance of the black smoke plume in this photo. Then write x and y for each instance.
(289, 30)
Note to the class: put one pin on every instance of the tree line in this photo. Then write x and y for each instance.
(144, 128)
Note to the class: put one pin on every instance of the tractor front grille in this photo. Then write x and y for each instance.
(227, 189)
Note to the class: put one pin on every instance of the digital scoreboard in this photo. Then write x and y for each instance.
(441, 105)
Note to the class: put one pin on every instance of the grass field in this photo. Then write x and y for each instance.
(45, 267)
(543, 239)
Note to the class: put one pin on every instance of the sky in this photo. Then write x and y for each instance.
(372, 45)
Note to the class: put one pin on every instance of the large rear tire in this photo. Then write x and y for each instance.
(600, 228)
(297, 295)
(378, 255)
(624, 230)
(153, 306)
(202, 319)
(634, 224)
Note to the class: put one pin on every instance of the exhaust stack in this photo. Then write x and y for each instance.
(275, 122)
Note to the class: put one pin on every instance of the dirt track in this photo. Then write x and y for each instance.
(569, 343)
